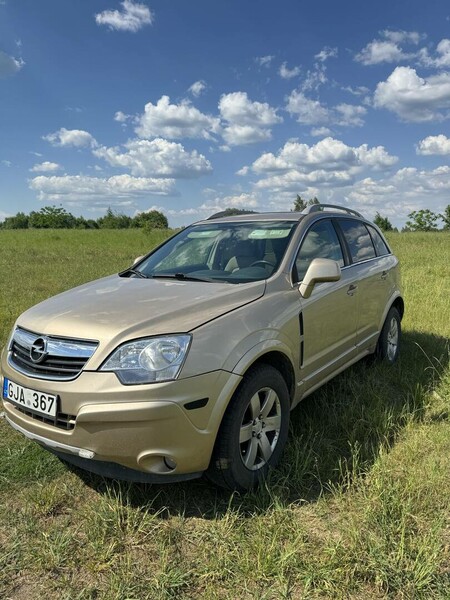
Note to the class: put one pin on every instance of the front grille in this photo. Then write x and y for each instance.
(47, 357)
(63, 421)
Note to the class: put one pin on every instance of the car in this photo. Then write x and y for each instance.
(189, 361)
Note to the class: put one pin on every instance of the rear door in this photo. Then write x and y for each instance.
(371, 266)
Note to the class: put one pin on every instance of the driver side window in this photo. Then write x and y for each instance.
(321, 241)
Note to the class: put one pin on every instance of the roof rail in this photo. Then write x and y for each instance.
(319, 207)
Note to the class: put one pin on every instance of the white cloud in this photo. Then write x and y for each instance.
(286, 73)
(434, 144)
(197, 88)
(9, 65)
(132, 17)
(376, 158)
(219, 203)
(443, 49)
(264, 61)
(70, 137)
(388, 49)
(326, 53)
(313, 112)
(6, 163)
(320, 131)
(307, 111)
(175, 121)
(247, 122)
(328, 163)
(359, 90)
(400, 36)
(381, 51)
(46, 167)
(182, 212)
(441, 57)
(414, 98)
(239, 201)
(84, 189)
(315, 77)
(350, 115)
(156, 158)
(244, 171)
(403, 191)
(327, 154)
(121, 117)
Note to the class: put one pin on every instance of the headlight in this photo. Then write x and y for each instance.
(149, 360)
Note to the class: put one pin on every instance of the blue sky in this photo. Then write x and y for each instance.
(191, 107)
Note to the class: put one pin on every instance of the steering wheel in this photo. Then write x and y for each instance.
(262, 262)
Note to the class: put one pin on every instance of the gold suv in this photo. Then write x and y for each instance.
(191, 360)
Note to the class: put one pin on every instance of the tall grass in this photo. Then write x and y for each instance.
(358, 509)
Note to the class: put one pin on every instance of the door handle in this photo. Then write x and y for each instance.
(352, 289)
(384, 275)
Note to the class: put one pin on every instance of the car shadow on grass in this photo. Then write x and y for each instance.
(336, 435)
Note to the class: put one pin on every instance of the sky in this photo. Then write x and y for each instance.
(192, 107)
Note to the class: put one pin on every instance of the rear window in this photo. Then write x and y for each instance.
(358, 239)
(379, 243)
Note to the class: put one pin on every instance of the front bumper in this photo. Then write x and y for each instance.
(152, 428)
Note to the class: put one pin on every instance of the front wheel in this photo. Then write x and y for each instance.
(389, 341)
(253, 432)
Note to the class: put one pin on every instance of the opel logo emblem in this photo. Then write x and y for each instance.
(38, 350)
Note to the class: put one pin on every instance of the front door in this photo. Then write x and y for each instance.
(328, 317)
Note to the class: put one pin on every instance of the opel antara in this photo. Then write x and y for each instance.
(190, 361)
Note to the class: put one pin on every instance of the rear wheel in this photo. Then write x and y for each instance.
(253, 432)
(389, 341)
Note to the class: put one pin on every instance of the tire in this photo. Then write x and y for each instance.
(388, 346)
(253, 432)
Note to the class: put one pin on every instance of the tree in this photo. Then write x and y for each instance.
(300, 204)
(422, 220)
(113, 220)
(152, 219)
(445, 216)
(383, 222)
(51, 217)
(19, 221)
(82, 223)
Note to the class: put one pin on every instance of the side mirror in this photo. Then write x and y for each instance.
(320, 270)
(137, 259)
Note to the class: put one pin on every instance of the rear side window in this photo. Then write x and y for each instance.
(379, 243)
(358, 239)
(321, 241)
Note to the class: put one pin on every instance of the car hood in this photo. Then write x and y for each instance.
(114, 309)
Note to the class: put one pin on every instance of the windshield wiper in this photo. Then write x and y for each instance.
(180, 277)
(133, 272)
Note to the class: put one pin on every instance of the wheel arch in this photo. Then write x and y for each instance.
(399, 305)
(278, 360)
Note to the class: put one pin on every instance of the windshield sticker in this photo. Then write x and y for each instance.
(269, 234)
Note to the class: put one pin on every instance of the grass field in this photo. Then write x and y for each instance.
(360, 507)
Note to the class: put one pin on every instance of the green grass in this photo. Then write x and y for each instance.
(359, 508)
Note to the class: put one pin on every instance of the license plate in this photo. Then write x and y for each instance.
(38, 402)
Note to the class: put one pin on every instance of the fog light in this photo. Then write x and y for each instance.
(86, 453)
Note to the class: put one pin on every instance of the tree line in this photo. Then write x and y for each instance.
(53, 217)
(418, 220)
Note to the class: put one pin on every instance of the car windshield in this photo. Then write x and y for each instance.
(236, 252)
